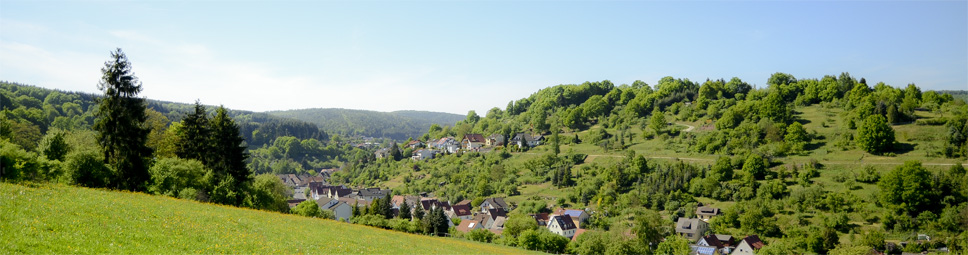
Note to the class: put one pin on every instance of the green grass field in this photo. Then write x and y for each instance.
(61, 219)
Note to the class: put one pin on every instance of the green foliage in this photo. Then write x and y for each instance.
(480, 235)
(796, 136)
(657, 122)
(121, 124)
(542, 240)
(398, 125)
(517, 224)
(755, 166)
(269, 193)
(86, 168)
(873, 239)
(53, 145)
(908, 188)
(307, 208)
(170, 176)
(875, 135)
(673, 244)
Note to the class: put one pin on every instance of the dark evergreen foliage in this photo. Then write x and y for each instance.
(120, 124)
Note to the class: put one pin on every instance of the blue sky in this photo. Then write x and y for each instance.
(469, 55)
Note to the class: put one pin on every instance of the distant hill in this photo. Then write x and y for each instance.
(398, 125)
(99, 221)
(74, 110)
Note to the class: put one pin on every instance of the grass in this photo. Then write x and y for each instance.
(61, 219)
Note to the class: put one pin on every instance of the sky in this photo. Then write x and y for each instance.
(455, 56)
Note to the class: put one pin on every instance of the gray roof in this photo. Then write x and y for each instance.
(497, 202)
(691, 225)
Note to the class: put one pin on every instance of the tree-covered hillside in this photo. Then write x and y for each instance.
(30, 111)
(810, 165)
(398, 125)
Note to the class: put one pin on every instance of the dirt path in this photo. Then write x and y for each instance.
(689, 128)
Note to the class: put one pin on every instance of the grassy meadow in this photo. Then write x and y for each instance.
(43, 218)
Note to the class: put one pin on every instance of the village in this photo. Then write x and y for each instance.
(492, 213)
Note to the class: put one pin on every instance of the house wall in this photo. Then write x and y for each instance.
(343, 212)
(743, 249)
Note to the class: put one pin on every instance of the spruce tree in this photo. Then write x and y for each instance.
(120, 124)
(195, 136)
(229, 145)
(404, 211)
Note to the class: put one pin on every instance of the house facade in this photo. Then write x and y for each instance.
(706, 213)
(494, 203)
(577, 216)
(341, 211)
(748, 246)
(472, 141)
(691, 228)
(423, 154)
(495, 140)
(562, 225)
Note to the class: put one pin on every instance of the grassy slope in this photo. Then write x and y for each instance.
(63, 219)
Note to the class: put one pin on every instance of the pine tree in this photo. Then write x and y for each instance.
(195, 137)
(404, 211)
(387, 206)
(418, 212)
(120, 124)
(228, 143)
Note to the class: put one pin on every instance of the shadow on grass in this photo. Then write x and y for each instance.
(902, 148)
(813, 146)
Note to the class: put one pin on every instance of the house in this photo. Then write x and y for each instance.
(341, 211)
(726, 240)
(526, 140)
(541, 218)
(562, 225)
(713, 241)
(494, 203)
(398, 200)
(382, 153)
(492, 216)
(472, 141)
(748, 246)
(468, 225)
(294, 202)
(498, 222)
(494, 140)
(461, 211)
(415, 144)
(431, 203)
(423, 154)
(577, 216)
(369, 194)
(696, 249)
(706, 212)
(691, 228)
(318, 189)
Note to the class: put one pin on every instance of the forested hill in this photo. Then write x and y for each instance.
(32, 110)
(398, 125)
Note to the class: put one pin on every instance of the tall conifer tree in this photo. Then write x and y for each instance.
(229, 144)
(120, 124)
(195, 136)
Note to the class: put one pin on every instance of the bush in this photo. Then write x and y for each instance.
(480, 235)
(875, 135)
(307, 208)
(85, 168)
